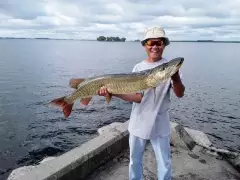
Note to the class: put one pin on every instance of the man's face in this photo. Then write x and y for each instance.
(154, 48)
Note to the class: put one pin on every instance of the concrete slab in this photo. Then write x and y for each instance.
(186, 166)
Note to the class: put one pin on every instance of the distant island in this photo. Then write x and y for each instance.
(103, 38)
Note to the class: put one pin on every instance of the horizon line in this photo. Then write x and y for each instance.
(198, 40)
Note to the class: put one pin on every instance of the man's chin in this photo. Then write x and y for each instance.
(155, 56)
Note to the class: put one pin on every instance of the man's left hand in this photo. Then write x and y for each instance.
(177, 85)
(175, 77)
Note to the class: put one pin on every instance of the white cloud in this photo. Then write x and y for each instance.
(114, 8)
(182, 19)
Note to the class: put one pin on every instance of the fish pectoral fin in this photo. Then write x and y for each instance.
(85, 101)
(74, 82)
(108, 97)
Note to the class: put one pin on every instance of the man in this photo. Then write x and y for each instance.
(149, 119)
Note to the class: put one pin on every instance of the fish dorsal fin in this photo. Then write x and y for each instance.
(74, 82)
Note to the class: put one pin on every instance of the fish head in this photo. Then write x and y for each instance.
(166, 70)
(173, 66)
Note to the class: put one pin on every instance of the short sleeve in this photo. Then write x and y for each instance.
(134, 69)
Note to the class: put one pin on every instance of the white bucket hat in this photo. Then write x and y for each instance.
(155, 32)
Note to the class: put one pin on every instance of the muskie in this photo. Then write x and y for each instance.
(117, 84)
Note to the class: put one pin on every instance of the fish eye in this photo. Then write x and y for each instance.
(164, 67)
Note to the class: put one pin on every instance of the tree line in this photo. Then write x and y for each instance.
(103, 38)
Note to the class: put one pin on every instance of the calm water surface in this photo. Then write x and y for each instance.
(33, 72)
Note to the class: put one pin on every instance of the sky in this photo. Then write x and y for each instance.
(88, 19)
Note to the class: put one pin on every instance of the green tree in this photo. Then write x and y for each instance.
(117, 39)
(101, 38)
(123, 39)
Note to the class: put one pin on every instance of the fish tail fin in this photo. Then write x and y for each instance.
(64, 105)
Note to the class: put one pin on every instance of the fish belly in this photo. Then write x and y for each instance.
(114, 85)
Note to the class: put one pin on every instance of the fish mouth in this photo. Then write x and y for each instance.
(180, 63)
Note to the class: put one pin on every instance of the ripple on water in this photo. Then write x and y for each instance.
(235, 127)
(39, 154)
(82, 130)
(215, 136)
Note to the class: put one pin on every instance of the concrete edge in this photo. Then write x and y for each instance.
(197, 141)
(112, 140)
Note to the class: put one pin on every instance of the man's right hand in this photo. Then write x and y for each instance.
(103, 91)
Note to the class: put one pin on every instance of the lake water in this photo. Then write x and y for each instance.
(33, 72)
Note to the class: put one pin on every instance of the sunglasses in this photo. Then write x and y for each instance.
(153, 43)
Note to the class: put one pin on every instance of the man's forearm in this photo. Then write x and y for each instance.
(178, 87)
(130, 97)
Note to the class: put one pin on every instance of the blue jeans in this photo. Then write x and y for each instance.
(161, 147)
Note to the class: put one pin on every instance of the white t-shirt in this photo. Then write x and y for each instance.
(150, 119)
